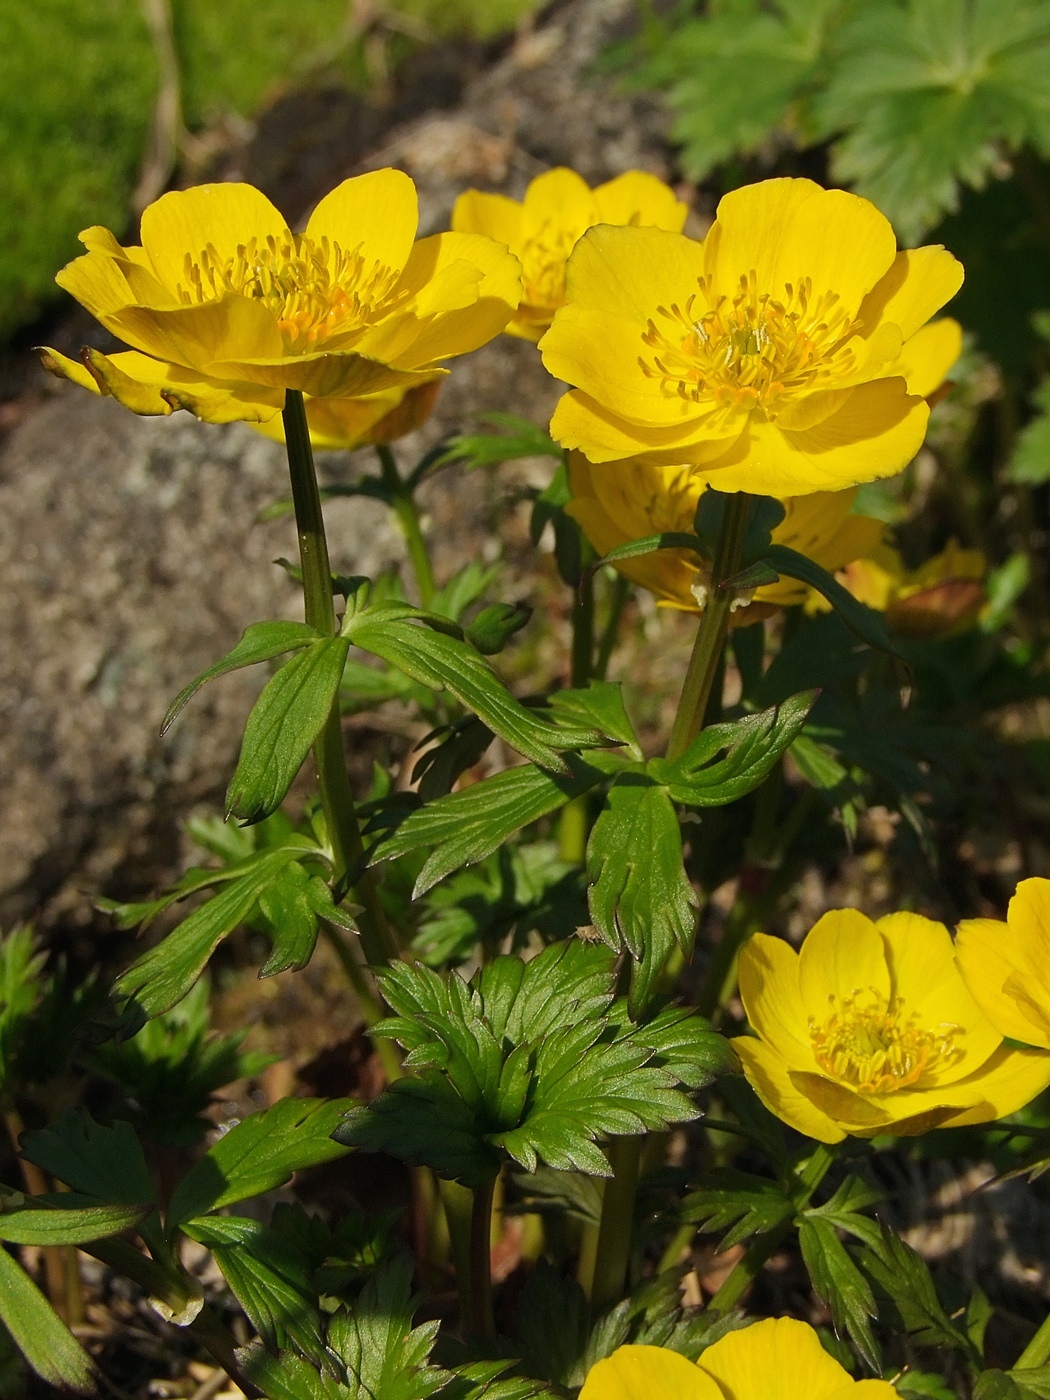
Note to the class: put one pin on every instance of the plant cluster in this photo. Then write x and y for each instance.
(520, 933)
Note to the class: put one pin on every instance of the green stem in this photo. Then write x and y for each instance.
(712, 629)
(333, 780)
(582, 632)
(681, 1240)
(621, 591)
(573, 830)
(614, 1233)
(1037, 1352)
(372, 1009)
(404, 505)
(480, 1321)
(746, 1270)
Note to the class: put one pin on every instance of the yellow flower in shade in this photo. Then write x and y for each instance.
(776, 1359)
(778, 356)
(543, 229)
(1007, 966)
(944, 596)
(629, 500)
(343, 424)
(870, 1029)
(225, 308)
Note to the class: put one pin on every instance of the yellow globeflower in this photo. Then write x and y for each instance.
(777, 1359)
(943, 596)
(226, 308)
(870, 1029)
(543, 229)
(778, 356)
(343, 424)
(629, 500)
(1007, 966)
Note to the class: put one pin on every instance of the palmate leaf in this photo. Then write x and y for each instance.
(840, 1285)
(740, 1204)
(904, 1277)
(163, 975)
(528, 1060)
(258, 1154)
(926, 93)
(262, 641)
(106, 1163)
(521, 438)
(67, 1218)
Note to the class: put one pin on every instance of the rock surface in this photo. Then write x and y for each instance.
(130, 555)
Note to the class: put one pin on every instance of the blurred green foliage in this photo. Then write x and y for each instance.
(917, 97)
(78, 83)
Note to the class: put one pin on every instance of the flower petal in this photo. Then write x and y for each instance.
(558, 202)
(494, 215)
(926, 359)
(771, 1080)
(842, 954)
(985, 950)
(788, 230)
(640, 199)
(630, 272)
(377, 213)
(769, 989)
(780, 1357)
(182, 223)
(917, 284)
(603, 436)
(321, 374)
(97, 283)
(852, 1112)
(62, 367)
(1005, 1083)
(465, 289)
(226, 329)
(647, 1373)
(874, 434)
(924, 975)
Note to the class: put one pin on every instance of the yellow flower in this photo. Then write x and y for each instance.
(778, 356)
(776, 1359)
(343, 424)
(543, 229)
(226, 309)
(1007, 966)
(870, 1029)
(629, 500)
(945, 595)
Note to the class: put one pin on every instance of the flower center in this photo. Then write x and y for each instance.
(543, 260)
(751, 348)
(872, 1045)
(315, 289)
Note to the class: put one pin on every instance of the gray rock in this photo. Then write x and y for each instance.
(131, 558)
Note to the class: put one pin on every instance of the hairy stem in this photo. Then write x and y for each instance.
(333, 780)
(404, 505)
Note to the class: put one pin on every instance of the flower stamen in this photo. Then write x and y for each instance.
(872, 1045)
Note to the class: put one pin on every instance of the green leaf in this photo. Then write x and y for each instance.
(56, 1223)
(753, 744)
(997, 1385)
(525, 1059)
(927, 96)
(465, 827)
(104, 1162)
(162, 976)
(817, 764)
(40, 1335)
(257, 1155)
(708, 67)
(283, 724)
(465, 586)
(1033, 1380)
(1030, 463)
(549, 1192)
(262, 641)
(741, 1204)
(292, 903)
(401, 636)
(600, 705)
(639, 893)
(905, 1278)
(268, 1279)
(522, 439)
(651, 544)
(553, 1326)
(840, 1285)
(865, 622)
